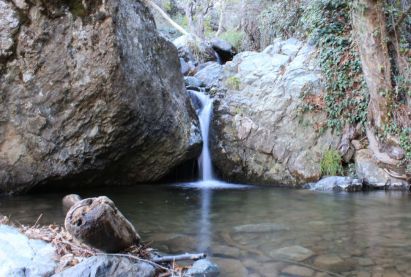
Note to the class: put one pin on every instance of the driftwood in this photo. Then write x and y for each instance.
(98, 223)
(182, 257)
(69, 201)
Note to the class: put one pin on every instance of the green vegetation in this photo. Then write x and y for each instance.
(77, 8)
(233, 82)
(331, 163)
(328, 24)
(181, 20)
(235, 38)
(281, 19)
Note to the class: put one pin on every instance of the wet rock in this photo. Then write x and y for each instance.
(336, 183)
(203, 268)
(261, 228)
(210, 75)
(260, 134)
(230, 267)
(69, 201)
(98, 223)
(88, 101)
(333, 263)
(373, 175)
(296, 253)
(21, 256)
(105, 266)
(224, 49)
(194, 51)
(191, 81)
(298, 271)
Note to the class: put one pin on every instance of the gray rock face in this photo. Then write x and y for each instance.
(260, 133)
(21, 256)
(105, 266)
(92, 95)
(210, 75)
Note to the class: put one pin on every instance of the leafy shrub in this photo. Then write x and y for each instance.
(235, 38)
(331, 163)
(281, 19)
(233, 82)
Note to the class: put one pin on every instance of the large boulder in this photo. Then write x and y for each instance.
(21, 256)
(89, 95)
(261, 133)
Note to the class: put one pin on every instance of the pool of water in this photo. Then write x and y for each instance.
(253, 231)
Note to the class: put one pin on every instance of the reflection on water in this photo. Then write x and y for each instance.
(204, 233)
(362, 234)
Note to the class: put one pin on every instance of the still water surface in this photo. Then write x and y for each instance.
(256, 231)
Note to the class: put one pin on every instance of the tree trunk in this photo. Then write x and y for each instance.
(371, 33)
(166, 17)
(221, 19)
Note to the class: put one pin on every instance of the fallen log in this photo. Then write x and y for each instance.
(98, 223)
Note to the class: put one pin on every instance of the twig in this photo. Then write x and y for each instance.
(37, 221)
(182, 257)
(135, 258)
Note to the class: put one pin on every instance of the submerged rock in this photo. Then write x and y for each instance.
(261, 132)
(300, 271)
(91, 95)
(333, 263)
(261, 228)
(296, 253)
(231, 267)
(21, 256)
(106, 266)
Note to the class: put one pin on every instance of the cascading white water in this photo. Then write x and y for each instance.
(205, 165)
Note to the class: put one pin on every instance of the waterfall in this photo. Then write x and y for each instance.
(205, 164)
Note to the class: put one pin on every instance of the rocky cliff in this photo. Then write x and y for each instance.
(261, 131)
(90, 93)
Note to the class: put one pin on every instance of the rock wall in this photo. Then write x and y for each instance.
(260, 132)
(89, 94)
